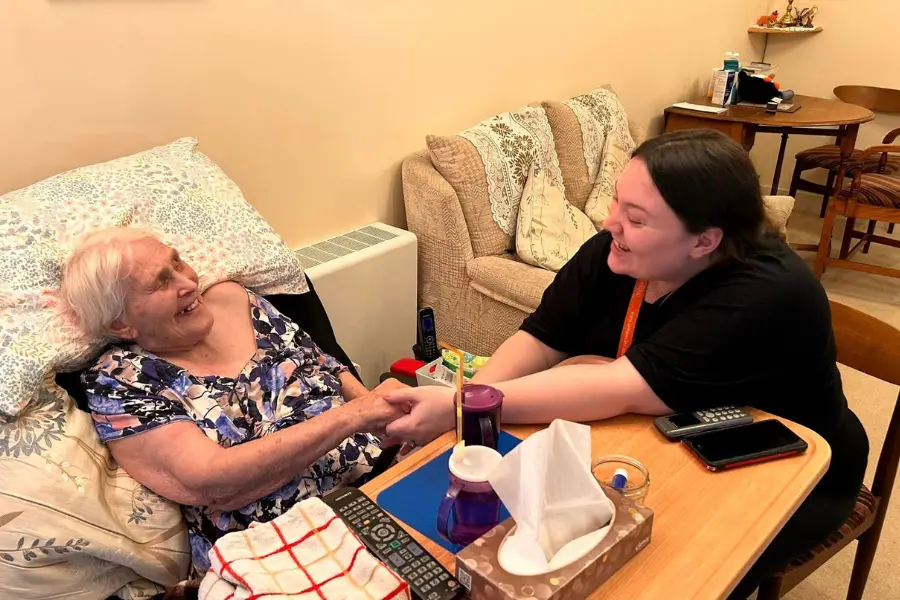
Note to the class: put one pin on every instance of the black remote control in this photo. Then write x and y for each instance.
(427, 578)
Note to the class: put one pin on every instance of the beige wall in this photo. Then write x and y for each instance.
(858, 46)
(311, 104)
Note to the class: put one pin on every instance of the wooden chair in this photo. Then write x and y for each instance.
(883, 100)
(866, 344)
(873, 196)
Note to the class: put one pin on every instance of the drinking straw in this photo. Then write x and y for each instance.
(459, 384)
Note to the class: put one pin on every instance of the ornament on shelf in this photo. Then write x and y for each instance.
(788, 19)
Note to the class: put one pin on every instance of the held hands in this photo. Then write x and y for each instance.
(373, 412)
(430, 413)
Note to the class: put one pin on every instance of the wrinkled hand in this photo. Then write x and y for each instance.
(389, 385)
(430, 411)
(374, 413)
(587, 359)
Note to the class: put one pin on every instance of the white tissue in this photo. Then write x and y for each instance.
(560, 510)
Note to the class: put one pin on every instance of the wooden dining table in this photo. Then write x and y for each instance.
(708, 528)
(815, 116)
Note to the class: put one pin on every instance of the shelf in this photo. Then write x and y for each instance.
(784, 30)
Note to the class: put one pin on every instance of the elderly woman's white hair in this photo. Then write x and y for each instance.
(95, 278)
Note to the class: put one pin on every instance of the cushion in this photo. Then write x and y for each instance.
(488, 164)
(829, 157)
(778, 211)
(615, 157)
(550, 230)
(72, 523)
(877, 190)
(509, 281)
(580, 127)
(173, 190)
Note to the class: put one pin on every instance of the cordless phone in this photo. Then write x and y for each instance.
(426, 335)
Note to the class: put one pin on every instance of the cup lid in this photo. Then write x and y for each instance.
(473, 463)
(481, 397)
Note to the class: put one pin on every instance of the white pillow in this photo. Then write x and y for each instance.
(172, 190)
(549, 230)
(614, 158)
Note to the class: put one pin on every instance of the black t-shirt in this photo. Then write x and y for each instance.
(753, 333)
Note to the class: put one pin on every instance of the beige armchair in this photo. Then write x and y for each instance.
(479, 300)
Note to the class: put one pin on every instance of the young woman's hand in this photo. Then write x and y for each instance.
(430, 411)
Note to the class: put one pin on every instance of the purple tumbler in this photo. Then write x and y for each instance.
(471, 507)
(481, 405)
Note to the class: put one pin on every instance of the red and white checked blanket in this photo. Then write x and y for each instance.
(306, 553)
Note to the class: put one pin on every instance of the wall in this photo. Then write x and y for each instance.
(858, 46)
(311, 105)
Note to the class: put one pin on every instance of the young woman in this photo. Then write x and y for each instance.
(720, 314)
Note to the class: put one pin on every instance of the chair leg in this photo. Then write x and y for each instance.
(825, 240)
(848, 237)
(829, 183)
(862, 564)
(870, 230)
(770, 589)
(795, 180)
(890, 228)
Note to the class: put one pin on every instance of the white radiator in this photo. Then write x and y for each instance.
(366, 279)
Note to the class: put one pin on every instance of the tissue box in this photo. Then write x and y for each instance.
(479, 570)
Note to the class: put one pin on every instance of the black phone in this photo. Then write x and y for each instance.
(745, 445)
(426, 334)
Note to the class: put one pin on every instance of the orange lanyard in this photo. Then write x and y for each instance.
(631, 317)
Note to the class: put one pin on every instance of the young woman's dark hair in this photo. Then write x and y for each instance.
(709, 181)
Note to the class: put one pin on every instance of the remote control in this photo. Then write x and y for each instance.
(427, 578)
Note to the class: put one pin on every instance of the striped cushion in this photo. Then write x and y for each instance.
(877, 190)
(865, 504)
(829, 157)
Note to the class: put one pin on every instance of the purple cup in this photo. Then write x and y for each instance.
(481, 407)
(471, 507)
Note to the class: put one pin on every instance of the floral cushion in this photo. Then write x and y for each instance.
(173, 190)
(550, 230)
(72, 523)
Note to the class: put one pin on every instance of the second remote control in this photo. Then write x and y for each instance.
(428, 579)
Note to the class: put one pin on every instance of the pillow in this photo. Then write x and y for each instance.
(550, 230)
(615, 157)
(778, 211)
(73, 524)
(580, 128)
(488, 164)
(172, 190)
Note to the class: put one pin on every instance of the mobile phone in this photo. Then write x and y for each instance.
(744, 445)
(426, 331)
(680, 425)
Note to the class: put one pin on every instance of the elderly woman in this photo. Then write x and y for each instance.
(215, 401)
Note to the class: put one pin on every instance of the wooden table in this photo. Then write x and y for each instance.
(708, 529)
(742, 123)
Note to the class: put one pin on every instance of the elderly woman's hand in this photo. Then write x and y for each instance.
(389, 385)
(374, 413)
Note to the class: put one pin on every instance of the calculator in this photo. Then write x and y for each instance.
(679, 425)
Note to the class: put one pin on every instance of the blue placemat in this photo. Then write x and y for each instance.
(415, 498)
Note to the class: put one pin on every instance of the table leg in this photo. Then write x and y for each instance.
(776, 178)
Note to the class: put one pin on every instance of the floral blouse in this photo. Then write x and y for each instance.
(287, 381)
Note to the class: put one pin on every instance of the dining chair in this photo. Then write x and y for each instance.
(866, 344)
(873, 196)
(876, 99)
